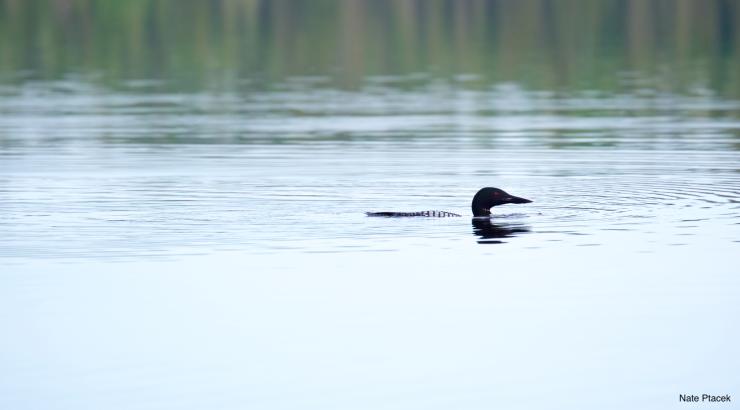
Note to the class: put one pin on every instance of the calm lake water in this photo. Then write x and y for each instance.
(171, 244)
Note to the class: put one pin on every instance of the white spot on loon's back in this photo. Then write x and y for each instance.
(432, 214)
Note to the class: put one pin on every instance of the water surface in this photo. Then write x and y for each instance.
(169, 243)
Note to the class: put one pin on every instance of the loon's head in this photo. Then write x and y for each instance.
(488, 197)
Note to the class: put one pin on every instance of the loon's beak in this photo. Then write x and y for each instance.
(516, 200)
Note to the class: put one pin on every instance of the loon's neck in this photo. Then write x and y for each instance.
(481, 212)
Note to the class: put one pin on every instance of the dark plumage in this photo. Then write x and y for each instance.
(488, 197)
(483, 201)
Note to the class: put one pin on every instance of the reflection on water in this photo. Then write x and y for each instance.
(490, 232)
(601, 46)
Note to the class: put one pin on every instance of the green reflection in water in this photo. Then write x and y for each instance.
(679, 46)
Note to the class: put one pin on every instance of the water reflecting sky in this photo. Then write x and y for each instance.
(183, 188)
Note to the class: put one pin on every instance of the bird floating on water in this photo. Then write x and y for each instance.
(483, 201)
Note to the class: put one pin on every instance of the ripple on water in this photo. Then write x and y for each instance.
(93, 173)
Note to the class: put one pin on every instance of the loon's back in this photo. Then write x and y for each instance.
(433, 214)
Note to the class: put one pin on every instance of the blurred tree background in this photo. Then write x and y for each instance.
(671, 45)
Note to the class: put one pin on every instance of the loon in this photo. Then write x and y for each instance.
(483, 201)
